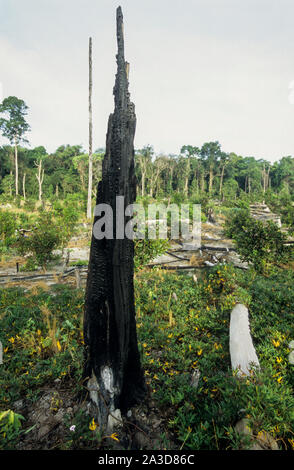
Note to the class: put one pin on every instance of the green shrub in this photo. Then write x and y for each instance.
(7, 226)
(146, 250)
(10, 425)
(259, 243)
(45, 238)
(66, 216)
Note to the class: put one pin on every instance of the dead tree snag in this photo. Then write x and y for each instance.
(113, 372)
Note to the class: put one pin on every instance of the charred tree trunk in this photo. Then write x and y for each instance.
(112, 369)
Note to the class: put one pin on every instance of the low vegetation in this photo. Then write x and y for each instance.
(178, 334)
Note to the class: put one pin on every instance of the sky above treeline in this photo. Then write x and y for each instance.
(200, 70)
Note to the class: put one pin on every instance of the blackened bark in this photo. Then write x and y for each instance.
(112, 361)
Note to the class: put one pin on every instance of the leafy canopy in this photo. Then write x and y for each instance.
(13, 125)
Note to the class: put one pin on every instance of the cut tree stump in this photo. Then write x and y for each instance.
(242, 351)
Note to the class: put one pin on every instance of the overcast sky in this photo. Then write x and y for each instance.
(201, 70)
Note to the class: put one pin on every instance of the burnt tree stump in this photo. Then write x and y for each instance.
(112, 371)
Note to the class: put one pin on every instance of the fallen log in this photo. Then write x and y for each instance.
(28, 277)
(209, 248)
(191, 267)
(162, 266)
(177, 256)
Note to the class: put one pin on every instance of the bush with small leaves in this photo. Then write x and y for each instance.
(7, 226)
(259, 243)
(147, 250)
(45, 238)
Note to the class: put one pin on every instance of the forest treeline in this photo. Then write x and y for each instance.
(204, 174)
(196, 172)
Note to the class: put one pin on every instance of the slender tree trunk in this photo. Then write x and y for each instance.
(265, 176)
(268, 178)
(16, 166)
(112, 369)
(196, 179)
(151, 186)
(24, 186)
(90, 182)
(171, 179)
(186, 189)
(221, 180)
(10, 186)
(143, 183)
(156, 183)
(211, 176)
(202, 182)
(186, 186)
(40, 178)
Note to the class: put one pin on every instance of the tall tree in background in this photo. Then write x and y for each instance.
(266, 168)
(14, 126)
(224, 160)
(144, 159)
(160, 164)
(210, 153)
(90, 180)
(284, 173)
(39, 163)
(188, 151)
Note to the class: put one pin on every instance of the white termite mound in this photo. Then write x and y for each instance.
(242, 351)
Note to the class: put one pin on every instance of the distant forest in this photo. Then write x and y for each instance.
(203, 174)
(196, 172)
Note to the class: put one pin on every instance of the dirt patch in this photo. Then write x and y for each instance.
(48, 422)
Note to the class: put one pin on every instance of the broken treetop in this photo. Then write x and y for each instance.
(121, 95)
(118, 176)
